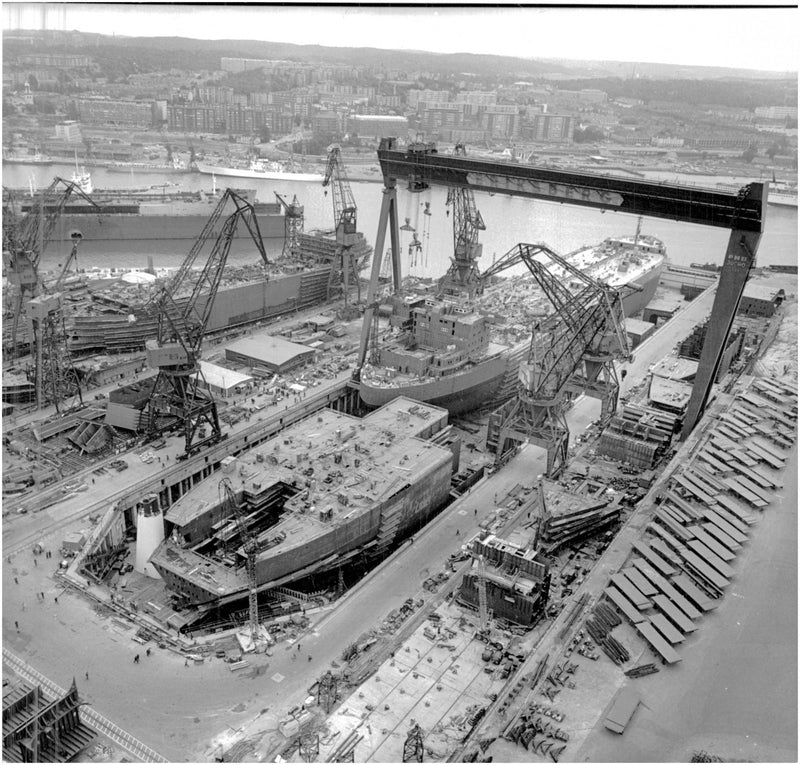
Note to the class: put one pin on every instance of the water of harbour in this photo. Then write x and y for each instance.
(508, 220)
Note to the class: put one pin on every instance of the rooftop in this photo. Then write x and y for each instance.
(221, 377)
(275, 350)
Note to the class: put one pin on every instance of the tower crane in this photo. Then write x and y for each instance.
(249, 548)
(572, 348)
(176, 350)
(462, 276)
(24, 244)
(293, 221)
(344, 215)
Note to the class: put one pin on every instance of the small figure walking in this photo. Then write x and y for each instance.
(35, 562)
(457, 532)
(16, 624)
(476, 511)
(136, 659)
(56, 599)
(16, 581)
(147, 651)
(309, 658)
(87, 675)
(298, 646)
(186, 662)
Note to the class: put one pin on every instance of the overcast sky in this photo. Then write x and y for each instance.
(754, 38)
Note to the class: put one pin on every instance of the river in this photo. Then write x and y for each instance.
(508, 220)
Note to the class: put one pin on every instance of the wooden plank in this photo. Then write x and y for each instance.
(623, 584)
(708, 572)
(667, 589)
(671, 634)
(745, 494)
(702, 473)
(622, 709)
(683, 505)
(661, 646)
(672, 526)
(742, 456)
(640, 582)
(759, 451)
(693, 593)
(691, 475)
(721, 537)
(713, 544)
(674, 614)
(710, 557)
(715, 517)
(752, 474)
(668, 554)
(618, 599)
(744, 517)
(653, 558)
(769, 449)
(693, 488)
(713, 462)
(664, 537)
(675, 514)
(761, 493)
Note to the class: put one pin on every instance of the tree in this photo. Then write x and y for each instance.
(264, 135)
(749, 154)
(589, 134)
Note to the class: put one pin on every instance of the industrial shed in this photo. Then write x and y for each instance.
(638, 331)
(267, 352)
(759, 300)
(224, 382)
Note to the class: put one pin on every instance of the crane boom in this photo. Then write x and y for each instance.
(462, 275)
(250, 549)
(176, 350)
(344, 204)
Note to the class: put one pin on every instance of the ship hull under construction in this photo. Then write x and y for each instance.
(487, 382)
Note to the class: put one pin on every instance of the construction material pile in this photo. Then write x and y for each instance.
(568, 516)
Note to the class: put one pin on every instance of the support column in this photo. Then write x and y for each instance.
(739, 259)
(388, 204)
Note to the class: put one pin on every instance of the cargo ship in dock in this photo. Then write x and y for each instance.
(258, 169)
(457, 354)
(143, 221)
(323, 491)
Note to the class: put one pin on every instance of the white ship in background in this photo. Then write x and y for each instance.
(259, 168)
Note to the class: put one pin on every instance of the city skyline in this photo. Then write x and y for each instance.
(746, 38)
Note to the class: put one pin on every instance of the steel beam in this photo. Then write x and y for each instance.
(659, 200)
(739, 259)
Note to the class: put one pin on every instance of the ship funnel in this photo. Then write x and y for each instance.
(149, 534)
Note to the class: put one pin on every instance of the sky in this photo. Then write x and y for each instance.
(750, 38)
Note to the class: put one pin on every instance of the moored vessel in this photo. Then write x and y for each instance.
(258, 168)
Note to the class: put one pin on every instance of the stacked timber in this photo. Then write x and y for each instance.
(568, 517)
(638, 435)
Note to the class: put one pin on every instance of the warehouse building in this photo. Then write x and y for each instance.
(760, 301)
(271, 353)
(223, 382)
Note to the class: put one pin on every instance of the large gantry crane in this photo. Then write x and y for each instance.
(175, 352)
(421, 165)
(572, 349)
(250, 549)
(344, 266)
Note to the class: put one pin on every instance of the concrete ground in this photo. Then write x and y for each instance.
(735, 692)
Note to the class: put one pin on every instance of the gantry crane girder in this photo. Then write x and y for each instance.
(413, 748)
(462, 276)
(232, 507)
(575, 346)
(176, 350)
(421, 165)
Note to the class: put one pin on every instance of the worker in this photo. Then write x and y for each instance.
(147, 651)
(87, 674)
(16, 624)
(136, 659)
(309, 658)
(457, 532)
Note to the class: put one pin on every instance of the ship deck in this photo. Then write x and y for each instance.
(357, 464)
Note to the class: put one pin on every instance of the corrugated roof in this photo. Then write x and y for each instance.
(266, 348)
(220, 377)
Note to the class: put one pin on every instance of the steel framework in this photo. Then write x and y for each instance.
(177, 397)
(249, 548)
(344, 215)
(293, 223)
(413, 749)
(743, 213)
